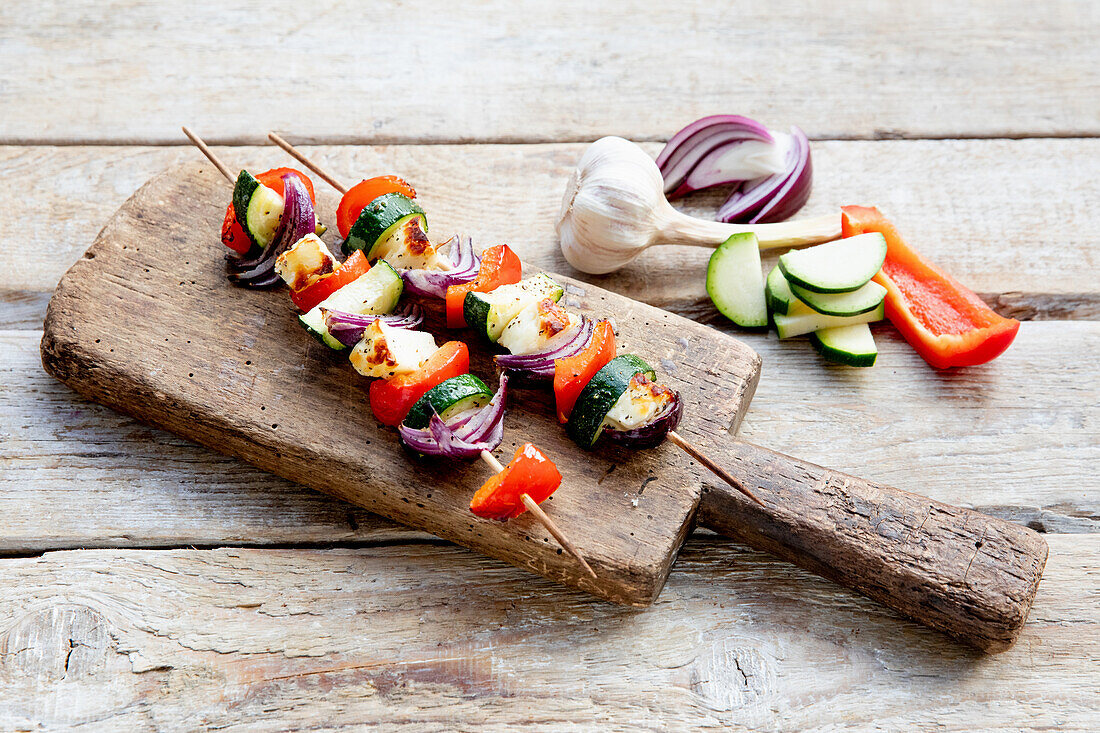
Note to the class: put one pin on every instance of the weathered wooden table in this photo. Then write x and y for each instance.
(148, 584)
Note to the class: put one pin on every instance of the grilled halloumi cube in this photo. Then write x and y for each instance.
(638, 405)
(408, 248)
(534, 327)
(305, 262)
(386, 352)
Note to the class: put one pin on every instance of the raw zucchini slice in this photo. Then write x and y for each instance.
(378, 220)
(835, 267)
(734, 282)
(810, 321)
(489, 313)
(859, 301)
(449, 398)
(386, 351)
(258, 209)
(850, 345)
(375, 291)
(599, 396)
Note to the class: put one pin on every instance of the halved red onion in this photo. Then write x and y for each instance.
(655, 431)
(348, 328)
(540, 366)
(297, 221)
(465, 265)
(466, 436)
(775, 197)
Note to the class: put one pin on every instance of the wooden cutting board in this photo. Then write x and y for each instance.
(146, 323)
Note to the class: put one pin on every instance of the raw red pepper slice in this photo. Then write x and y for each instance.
(362, 193)
(947, 324)
(233, 234)
(530, 472)
(318, 290)
(573, 373)
(499, 266)
(391, 399)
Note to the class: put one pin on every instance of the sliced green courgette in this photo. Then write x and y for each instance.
(734, 282)
(777, 292)
(375, 291)
(850, 345)
(449, 398)
(378, 220)
(258, 209)
(810, 320)
(586, 422)
(489, 313)
(835, 267)
(867, 298)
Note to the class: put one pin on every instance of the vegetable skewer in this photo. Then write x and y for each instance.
(674, 437)
(527, 456)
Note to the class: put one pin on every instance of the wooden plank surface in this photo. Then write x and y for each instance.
(532, 71)
(237, 639)
(952, 199)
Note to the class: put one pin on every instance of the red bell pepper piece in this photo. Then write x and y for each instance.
(573, 373)
(362, 193)
(391, 399)
(499, 266)
(318, 290)
(947, 324)
(233, 234)
(530, 472)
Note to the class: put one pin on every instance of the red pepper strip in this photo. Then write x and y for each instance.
(499, 266)
(391, 399)
(573, 373)
(233, 234)
(318, 290)
(530, 472)
(358, 196)
(947, 324)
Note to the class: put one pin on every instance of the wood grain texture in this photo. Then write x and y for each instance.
(417, 638)
(147, 324)
(950, 198)
(129, 485)
(530, 71)
(953, 569)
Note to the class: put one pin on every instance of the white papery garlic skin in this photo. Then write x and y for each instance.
(610, 210)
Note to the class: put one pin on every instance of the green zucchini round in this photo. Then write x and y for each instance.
(600, 395)
(378, 220)
(449, 398)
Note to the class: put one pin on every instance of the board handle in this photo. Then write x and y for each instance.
(955, 570)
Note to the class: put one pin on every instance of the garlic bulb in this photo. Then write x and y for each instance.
(615, 207)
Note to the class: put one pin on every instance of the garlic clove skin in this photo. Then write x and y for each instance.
(612, 207)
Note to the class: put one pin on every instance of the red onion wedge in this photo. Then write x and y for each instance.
(771, 172)
(465, 265)
(348, 328)
(298, 220)
(540, 366)
(652, 433)
(466, 436)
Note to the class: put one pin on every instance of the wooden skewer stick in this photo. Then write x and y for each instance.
(486, 456)
(208, 153)
(293, 152)
(674, 437)
(539, 514)
(691, 450)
